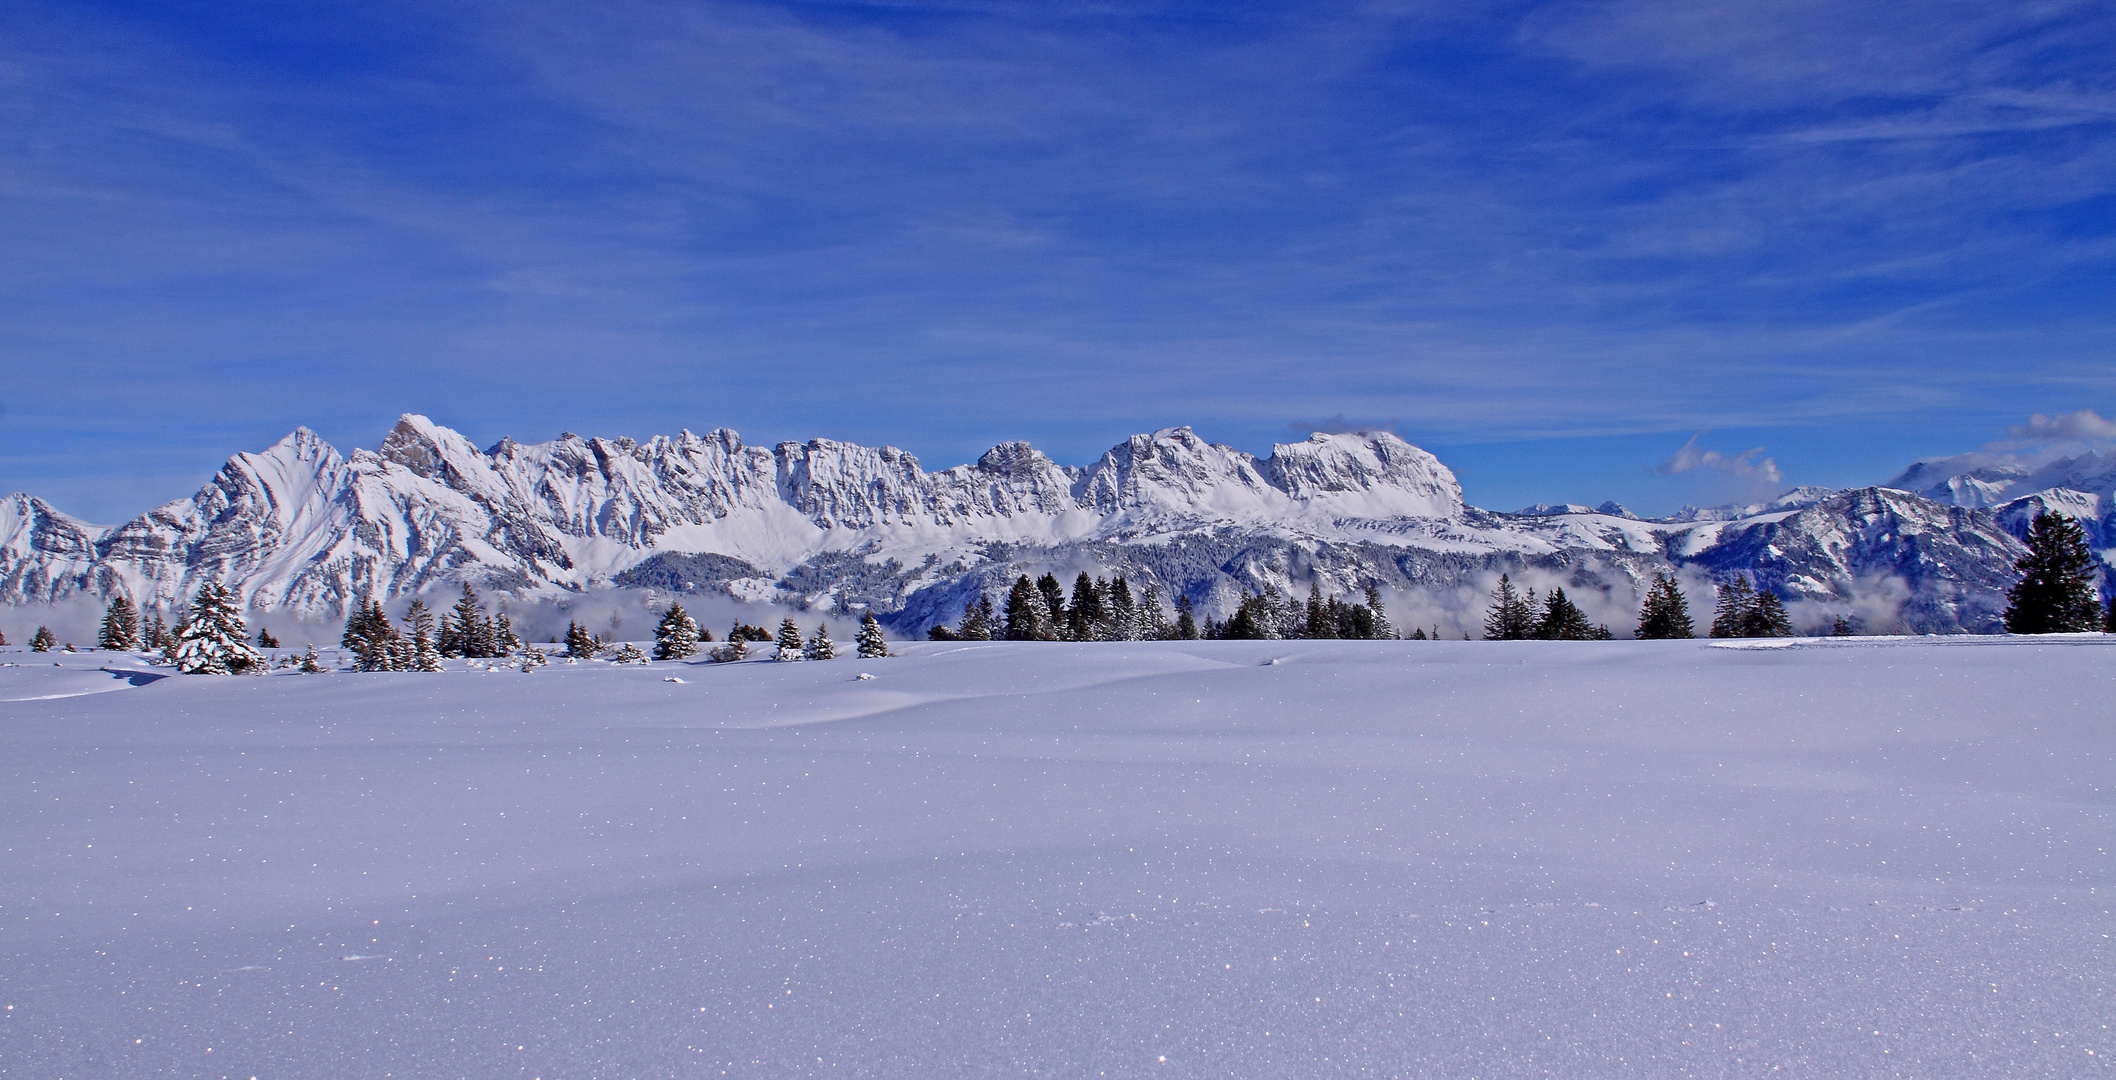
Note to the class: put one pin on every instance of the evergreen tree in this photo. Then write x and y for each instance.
(419, 619)
(1418, 634)
(1382, 627)
(1766, 617)
(820, 647)
(426, 653)
(215, 642)
(121, 626)
(871, 644)
(2108, 621)
(375, 644)
(1730, 616)
(3, 640)
(976, 620)
(2055, 594)
(473, 632)
(1318, 622)
(580, 644)
(310, 665)
(1563, 620)
(1840, 627)
(42, 640)
(1666, 614)
(789, 640)
(265, 640)
(1026, 613)
(677, 636)
(505, 642)
(156, 634)
(737, 648)
(1510, 617)
(1123, 611)
(939, 632)
(1152, 623)
(1085, 616)
(1053, 603)
(448, 637)
(1186, 619)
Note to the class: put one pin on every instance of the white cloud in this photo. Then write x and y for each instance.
(2064, 427)
(1747, 465)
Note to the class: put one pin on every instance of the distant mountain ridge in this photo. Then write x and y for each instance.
(844, 527)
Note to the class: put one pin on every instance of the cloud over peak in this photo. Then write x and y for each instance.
(1747, 465)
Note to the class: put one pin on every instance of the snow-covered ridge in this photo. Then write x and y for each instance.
(301, 527)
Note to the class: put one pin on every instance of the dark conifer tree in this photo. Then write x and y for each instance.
(1186, 620)
(1382, 627)
(1840, 627)
(580, 644)
(474, 632)
(1510, 617)
(1086, 615)
(976, 620)
(1666, 613)
(1730, 616)
(2055, 594)
(1318, 621)
(1766, 617)
(121, 626)
(43, 640)
(1562, 620)
(1026, 613)
(819, 646)
(1053, 595)
(265, 640)
(1123, 613)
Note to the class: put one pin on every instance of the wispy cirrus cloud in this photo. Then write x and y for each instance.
(1748, 465)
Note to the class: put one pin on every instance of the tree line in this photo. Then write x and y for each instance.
(2054, 594)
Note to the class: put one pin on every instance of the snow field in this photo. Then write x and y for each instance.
(1885, 857)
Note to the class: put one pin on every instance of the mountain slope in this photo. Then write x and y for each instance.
(843, 527)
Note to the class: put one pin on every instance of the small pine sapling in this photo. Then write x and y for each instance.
(789, 640)
(42, 640)
(819, 646)
(871, 644)
(310, 665)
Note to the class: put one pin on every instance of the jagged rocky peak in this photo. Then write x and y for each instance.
(1389, 476)
(430, 450)
(1173, 470)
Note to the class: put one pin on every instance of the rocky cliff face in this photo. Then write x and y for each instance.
(301, 527)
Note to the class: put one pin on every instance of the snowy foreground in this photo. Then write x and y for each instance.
(1253, 859)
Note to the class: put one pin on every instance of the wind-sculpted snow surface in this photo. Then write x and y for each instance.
(1882, 857)
(846, 529)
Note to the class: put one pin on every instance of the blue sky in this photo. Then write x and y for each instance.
(1553, 243)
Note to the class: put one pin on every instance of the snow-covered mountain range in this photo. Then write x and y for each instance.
(300, 527)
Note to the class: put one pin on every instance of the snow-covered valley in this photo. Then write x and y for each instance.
(1873, 857)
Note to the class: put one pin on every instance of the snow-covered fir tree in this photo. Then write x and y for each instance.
(1730, 613)
(310, 663)
(819, 646)
(42, 640)
(214, 641)
(505, 642)
(1381, 627)
(977, 620)
(1027, 615)
(789, 641)
(580, 644)
(1150, 622)
(871, 644)
(677, 636)
(121, 626)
